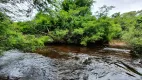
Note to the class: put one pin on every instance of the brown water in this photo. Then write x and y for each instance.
(93, 63)
(63, 51)
(63, 62)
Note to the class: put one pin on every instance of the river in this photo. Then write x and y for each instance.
(62, 62)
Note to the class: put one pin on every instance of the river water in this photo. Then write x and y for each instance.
(62, 62)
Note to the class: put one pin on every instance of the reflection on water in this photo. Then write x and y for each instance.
(93, 63)
(63, 51)
(62, 62)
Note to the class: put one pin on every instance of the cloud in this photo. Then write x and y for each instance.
(120, 5)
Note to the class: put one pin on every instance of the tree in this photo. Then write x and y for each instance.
(44, 5)
(131, 23)
(104, 11)
(74, 23)
(83, 5)
(12, 38)
(134, 36)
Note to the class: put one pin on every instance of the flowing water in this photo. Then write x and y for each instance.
(62, 62)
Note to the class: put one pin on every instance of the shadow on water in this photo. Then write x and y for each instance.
(70, 62)
(95, 55)
(52, 53)
(62, 51)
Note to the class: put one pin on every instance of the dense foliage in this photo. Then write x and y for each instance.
(74, 23)
(12, 38)
(131, 24)
(71, 22)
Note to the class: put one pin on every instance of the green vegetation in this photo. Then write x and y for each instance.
(131, 25)
(12, 38)
(71, 22)
(74, 23)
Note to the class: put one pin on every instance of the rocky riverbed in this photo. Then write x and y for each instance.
(69, 63)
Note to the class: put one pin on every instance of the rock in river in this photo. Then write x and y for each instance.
(15, 65)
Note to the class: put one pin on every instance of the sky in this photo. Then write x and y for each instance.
(120, 5)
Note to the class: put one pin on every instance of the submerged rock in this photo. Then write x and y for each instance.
(117, 50)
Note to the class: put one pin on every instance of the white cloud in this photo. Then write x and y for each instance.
(120, 5)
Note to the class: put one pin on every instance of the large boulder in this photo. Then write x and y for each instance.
(15, 65)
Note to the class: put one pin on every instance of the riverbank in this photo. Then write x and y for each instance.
(118, 44)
